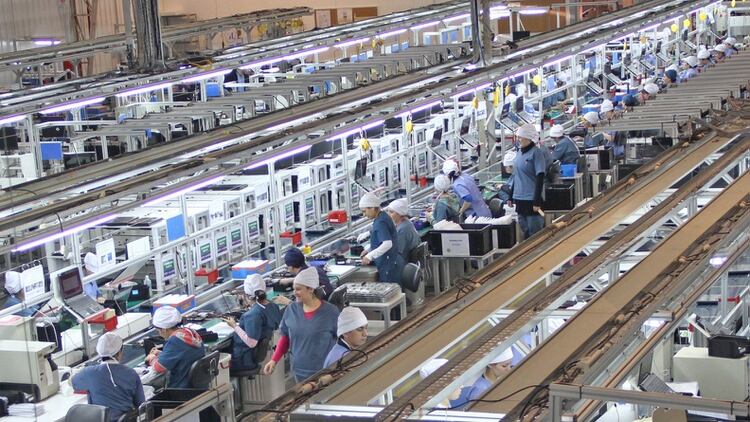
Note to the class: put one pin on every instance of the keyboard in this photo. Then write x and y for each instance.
(654, 384)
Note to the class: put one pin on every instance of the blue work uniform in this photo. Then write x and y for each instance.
(310, 339)
(530, 162)
(446, 208)
(688, 74)
(12, 300)
(618, 148)
(337, 352)
(566, 151)
(258, 323)
(729, 52)
(91, 289)
(390, 264)
(593, 140)
(181, 350)
(408, 239)
(468, 191)
(124, 395)
(473, 392)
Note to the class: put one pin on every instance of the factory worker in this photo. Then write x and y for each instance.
(670, 77)
(629, 102)
(110, 384)
(508, 158)
(182, 348)
(720, 53)
(91, 265)
(294, 260)
(406, 234)
(308, 329)
(607, 110)
(351, 331)
(15, 294)
(428, 369)
(565, 151)
(383, 249)
(689, 68)
(590, 120)
(704, 60)
(497, 369)
(729, 43)
(648, 92)
(472, 201)
(447, 204)
(528, 181)
(256, 324)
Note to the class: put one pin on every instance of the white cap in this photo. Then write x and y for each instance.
(672, 66)
(527, 131)
(556, 131)
(720, 48)
(606, 106)
(692, 61)
(109, 344)
(431, 367)
(166, 317)
(520, 89)
(253, 283)
(350, 319)
(509, 158)
(651, 88)
(503, 357)
(591, 117)
(399, 206)
(13, 282)
(369, 200)
(450, 166)
(442, 183)
(91, 262)
(308, 278)
(511, 99)
(730, 41)
(703, 54)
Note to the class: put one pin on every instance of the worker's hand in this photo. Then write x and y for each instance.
(152, 355)
(536, 209)
(362, 254)
(269, 367)
(101, 300)
(366, 260)
(282, 300)
(230, 321)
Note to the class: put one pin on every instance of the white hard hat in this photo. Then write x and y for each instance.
(350, 319)
(556, 131)
(109, 345)
(91, 262)
(720, 48)
(703, 54)
(730, 41)
(450, 166)
(253, 283)
(308, 278)
(166, 317)
(509, 158)
(503, 357)
(13, 282)
(606, 106)
(399, 206)
(651, 88)
(431, 367)
(527, 131)
(591, 117)
(692, 61)
(442, 183)
(369, 200)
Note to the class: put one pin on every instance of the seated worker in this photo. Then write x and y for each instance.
(383, 249)
(308, 328)
(406, 234)
(110, 384)
(91, 289)
(689, 68)
(648, 92)
(508, 158)
(256, 324)
(351, 331)
(446, 203)
(467, 190)
(565, 151)
(497, 369)
(15, 294)
(704, 60)
(670, 78)
(428, 369)
(295, 262)
(528, 181)
(729, 43)
(629, 102)
(720, 53)
(607, 110)
(182, 348)
(590, 120)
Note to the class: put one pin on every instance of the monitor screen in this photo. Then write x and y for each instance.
(360, 168)
(70, 283)
(465, 126)
(519, 104)
(437, 136)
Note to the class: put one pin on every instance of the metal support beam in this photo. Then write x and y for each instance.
(148, 31)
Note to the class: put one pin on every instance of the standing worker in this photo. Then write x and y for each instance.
(383, 250)
(467, 190)
(566, 151)
(528, 181)
(110, 384)
(351, 332)
(446, 203)
(308, 328)
(406, 234)
(294, 260)
(256, 324)
(183, 347)
(15, 294)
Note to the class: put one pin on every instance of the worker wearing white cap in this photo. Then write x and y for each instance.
(15, 293)
(110, 384)
(383, 248)
(730, 42)
(689, 68)
(649, 91)
(351, 332)
(565, 151)
(428, 369)
(256, 324)
(592, 139)
(447, 205)
(91, 265)
(720, 52)
(497, 369)
(182, 348)
(529, 170)
(406, 234)
(607, 110)
(704, 59)
(472, 201)
(308, 328)
(508, 159)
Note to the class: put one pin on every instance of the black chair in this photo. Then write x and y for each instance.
(260, 351)
(131, 416)
(87, 413)
(338, 297)
(204, 371)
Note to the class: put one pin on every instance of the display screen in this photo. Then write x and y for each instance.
(221, 244)
(169, 269)
(70, 283)
(236, 237)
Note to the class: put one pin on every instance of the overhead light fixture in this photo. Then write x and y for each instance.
(649, 28)
(187, 189)
(72, 105)
(356, 130)
(283, 155)
(521, 73)
(12, 119)
(556, 61)
(419, 108)
(390, 33)
(457, 17)
(203, 76)
(351, 42)
(292, 56)
(143, 89)
(472, 90)
(590, 49)
(46, 43)
(423, 25)
(499, 14)
(73, 230)
(532, 11)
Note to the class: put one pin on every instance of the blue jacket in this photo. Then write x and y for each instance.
(337, 352)
(182, 349)
(125, 394)
(391, 264)
(566, 151)
(310, 339)
(526, 167)
(468, 191)
(258, 322)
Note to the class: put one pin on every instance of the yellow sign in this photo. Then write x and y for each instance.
(686, 23)
(674, 28)
(537, 79)
(496, 97)
(409, 126)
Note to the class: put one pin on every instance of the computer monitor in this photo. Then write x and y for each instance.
(465, 126)
(70, 284)
(519, 104)
(645, 368)
(360, 169)
(437, 137)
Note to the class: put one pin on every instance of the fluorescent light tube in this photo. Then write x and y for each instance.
(351, 42)
(203, 76)
(72, 105)
(389, 33)
(141, 90)
(186, 189)
(469, 91)
(356, 130)
(556, 61)
(532, 11)
(423, 25)
(419, 108)
(292, 56)
(272, 160)
(457, 18)
(26, 246)
(12, 119)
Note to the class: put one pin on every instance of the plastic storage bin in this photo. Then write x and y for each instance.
(559, 196)
(473, 240)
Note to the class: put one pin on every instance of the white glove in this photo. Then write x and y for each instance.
(363, 236)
